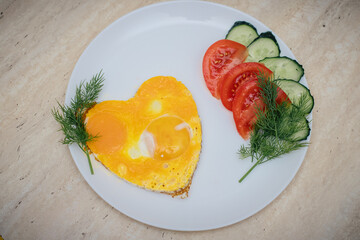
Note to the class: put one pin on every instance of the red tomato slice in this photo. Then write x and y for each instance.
(219, 59)
(238, 75)
(246, 100)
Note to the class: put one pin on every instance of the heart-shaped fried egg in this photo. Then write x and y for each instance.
(152, 140)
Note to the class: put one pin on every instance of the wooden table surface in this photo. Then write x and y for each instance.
(44, 196)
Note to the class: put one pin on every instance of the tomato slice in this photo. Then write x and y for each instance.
(238, 75)
(246, 100)
(219, 58)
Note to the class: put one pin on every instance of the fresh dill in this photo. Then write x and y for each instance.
(276, 128)
(71, 117)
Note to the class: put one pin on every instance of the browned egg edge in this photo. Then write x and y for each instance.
(182, 192)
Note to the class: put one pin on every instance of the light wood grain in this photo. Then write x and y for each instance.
(43, 195)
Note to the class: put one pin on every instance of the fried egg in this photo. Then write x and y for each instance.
(152, 140)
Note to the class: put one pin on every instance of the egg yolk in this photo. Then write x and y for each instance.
(110, 132)
(170, 137)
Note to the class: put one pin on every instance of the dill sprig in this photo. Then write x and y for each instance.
(71, 117)
(276, 125)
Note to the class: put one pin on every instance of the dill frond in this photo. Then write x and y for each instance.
(276, 125)
(71, 117)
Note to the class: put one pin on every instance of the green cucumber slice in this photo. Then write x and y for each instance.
(242, 32)
(302, 126)
(262, 47)
(284, 68)
(303, 133)
(296, 93)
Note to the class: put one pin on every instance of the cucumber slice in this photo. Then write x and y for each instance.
(302, 125)
(296, 93)
(284, 68)
(303, 133)
(262, 47)
(242, 32)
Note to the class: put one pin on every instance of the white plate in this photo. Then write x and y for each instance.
(170, 39)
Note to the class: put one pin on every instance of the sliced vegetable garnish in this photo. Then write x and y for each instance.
(262, 47)
(236, 76)
(279, 127)
(242, 32)
(219, 59)
(295, 92)
(248, 101)
(272, 113)
(284, 68)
